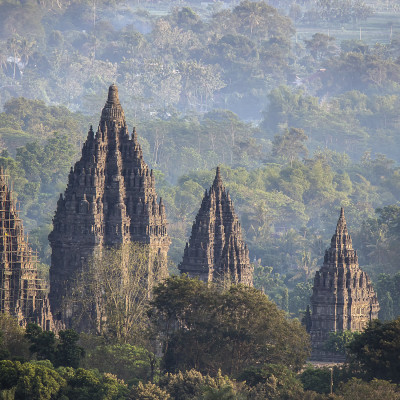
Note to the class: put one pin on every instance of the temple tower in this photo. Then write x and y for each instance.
(23, 294)
(343, 297)
(110, 199)
(216, 250)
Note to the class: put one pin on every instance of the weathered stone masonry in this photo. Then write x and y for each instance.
(23, 294)
(216, 250)
(343, 297)
(110, 199)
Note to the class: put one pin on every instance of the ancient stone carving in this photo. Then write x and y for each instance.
(343, 297)
(23, 294)
(216, 250)
(110, 199)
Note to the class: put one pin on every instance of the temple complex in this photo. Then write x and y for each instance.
(23, 294)
(216, 250)
(343, 297)
(110, 200)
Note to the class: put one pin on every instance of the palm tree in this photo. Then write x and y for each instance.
(3, 58)
(21, 50)
(27, 48)
(13, 47)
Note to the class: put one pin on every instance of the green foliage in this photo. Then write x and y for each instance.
(61, 352)
(357, 389)
(300, 297)
(42, 342)
(316, 379)
(192, 384)
(38, 382)
(85, 384)
(4, 353)
(350, 122)
(290, 145)
(272, 382)
(68, 353)
(13, 342)
(375, 352)
(128, 362)
(149, 391)
(239, 327)
(29, 380)
(338, 342)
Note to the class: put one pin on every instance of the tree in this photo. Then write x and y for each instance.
(42, 342)
(260, 20)
(30, 380)
(317, 379)
(87, 384)
(199, 83)
(149, 391)
(13, 340)
(38, 382)
(343, 10)
(356, 389)
(386, 307)
(209, 329)
(321, 46)
(338, 342)
(376, 351)
(192, 384)
(300, 297)
(61, 352)
(290, 145)
(306, 320)
(272, 381)
(68, 353)
(116, 285)
(128, 362)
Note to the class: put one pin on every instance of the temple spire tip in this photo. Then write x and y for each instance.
(342, 219)
(113, 94)
(218, 180)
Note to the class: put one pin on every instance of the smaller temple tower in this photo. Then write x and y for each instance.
(23, 294)
(216, 250)
(343, 297)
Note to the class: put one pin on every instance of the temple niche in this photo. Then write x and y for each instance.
(23, 293)
(216, 251)
(110, 200)
(343, 297)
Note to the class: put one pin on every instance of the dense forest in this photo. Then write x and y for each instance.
(297, 101)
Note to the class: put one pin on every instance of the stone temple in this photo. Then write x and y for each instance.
(110, 199)
(216, 251)
(343, 297)
(23, 294)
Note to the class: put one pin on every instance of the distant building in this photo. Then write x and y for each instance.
(216, 250)
(23, 294)
(110, 199)
(343, 297)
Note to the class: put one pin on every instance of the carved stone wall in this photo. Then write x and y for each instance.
(343, 297)
(110, 199)
(23, 294)
(216, 250)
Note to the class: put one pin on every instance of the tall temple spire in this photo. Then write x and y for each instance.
(112, 110)
(22, 293)
(109, 200)
(343, 297)
(217, 180)
(341, 240)
(216, 250)
(341, 225)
